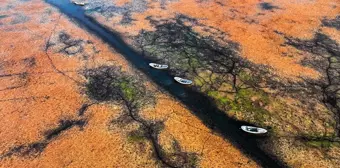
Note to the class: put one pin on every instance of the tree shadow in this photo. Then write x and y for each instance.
(110, 84)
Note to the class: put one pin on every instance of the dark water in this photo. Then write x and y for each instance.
(198, 103)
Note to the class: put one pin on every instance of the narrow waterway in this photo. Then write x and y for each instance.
(198, 103)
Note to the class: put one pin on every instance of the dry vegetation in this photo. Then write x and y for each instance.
(257, 60)
(55, 113)
(67, 99)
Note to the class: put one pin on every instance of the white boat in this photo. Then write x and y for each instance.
(183, 81)
(79, 3)
(253, 130)
(158, 66)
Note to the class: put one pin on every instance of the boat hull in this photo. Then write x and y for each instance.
(183, 81)
(253, 130)
(158, 66)
(79, 3)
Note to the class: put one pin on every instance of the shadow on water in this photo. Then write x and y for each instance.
(198, 103)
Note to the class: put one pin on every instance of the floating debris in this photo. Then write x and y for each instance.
(158, 66)
(183, 81)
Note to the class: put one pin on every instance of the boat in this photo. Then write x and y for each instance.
(183, 81)
(253, 130)
(158, 66)
(79, 3)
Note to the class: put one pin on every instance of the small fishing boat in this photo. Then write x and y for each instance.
(158, 66)
(183, 81)
(253, 130)
(79, 3)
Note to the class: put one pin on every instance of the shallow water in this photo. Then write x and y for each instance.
(198, 103)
